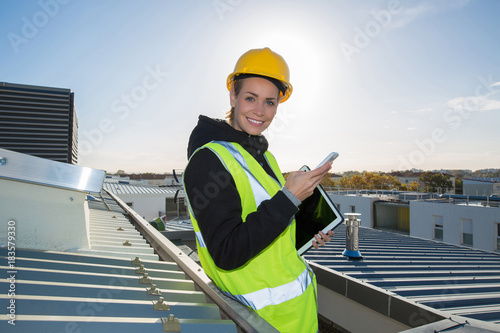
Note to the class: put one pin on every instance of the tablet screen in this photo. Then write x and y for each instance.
(316, 213)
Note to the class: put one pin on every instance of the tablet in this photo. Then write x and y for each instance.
(316, 213)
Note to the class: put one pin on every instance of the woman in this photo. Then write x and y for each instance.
(241, 207)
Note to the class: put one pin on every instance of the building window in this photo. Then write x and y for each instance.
(438, 232)
(338, 207)
(352, 209)
(498, 236)
(467, 232)
(438, 227)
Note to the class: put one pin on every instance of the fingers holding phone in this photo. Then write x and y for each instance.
(302, 184)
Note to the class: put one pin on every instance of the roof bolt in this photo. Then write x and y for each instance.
(171, 324)
(127, 243)
(140, 270)
(153, 290)
(114, 217)
(3, 161)
(136, 262)
(161, 305)
(120, 229)
(145, 279)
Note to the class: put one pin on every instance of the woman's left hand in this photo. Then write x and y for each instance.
(322, 238)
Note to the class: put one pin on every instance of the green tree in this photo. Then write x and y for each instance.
(413, 186)
(459, 186)
(344, 181)
(435, 181)
(357, 181)
(328, 181)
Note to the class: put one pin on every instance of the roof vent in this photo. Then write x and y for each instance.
(351, 237)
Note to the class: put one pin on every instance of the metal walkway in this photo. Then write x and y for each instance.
(104, 289)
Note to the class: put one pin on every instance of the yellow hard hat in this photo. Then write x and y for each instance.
(263, 62)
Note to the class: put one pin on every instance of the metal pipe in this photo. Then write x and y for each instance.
(352, 237)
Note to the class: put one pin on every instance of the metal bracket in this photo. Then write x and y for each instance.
(171, 324)
(153, 290)
(145, 279)
(161, 305)
(141, 270)
(136, 262)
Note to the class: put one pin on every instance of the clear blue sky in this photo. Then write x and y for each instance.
(390, 85)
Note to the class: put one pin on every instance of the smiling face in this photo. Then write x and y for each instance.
(255, 106)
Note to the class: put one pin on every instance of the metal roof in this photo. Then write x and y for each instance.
(485, 180)
(455, 280)
(119, 189)
(100, 289)
(180, 224)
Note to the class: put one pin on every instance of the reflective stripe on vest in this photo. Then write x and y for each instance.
(267, 296)
(272, 296)
(201, 241)
(259, 191)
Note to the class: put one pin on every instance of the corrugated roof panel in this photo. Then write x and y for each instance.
(118, 189)
(453, 279)
(179, 225)
(99, 289)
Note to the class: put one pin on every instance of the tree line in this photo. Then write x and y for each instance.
(427, 182)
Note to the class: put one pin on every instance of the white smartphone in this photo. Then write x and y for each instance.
(330, 157)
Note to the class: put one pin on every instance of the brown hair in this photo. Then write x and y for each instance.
(236, 85)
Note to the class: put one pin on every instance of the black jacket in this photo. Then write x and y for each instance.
(216, 203)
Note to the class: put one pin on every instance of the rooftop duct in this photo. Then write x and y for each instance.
(351, 237)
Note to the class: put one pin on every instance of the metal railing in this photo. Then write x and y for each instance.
(245, 318)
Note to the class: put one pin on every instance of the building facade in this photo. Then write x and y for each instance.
(481, 186)
(474, 224)
(39, 121)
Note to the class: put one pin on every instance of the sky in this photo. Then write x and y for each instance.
(389, 85)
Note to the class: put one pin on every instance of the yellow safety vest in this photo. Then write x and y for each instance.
(277, 283)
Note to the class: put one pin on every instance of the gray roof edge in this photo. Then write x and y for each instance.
(461, 324)
(377, 299)
(34, 87)
(244, 318)
(37, 170)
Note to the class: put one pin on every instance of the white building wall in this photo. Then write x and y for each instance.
(484, 220)
(43, 217)
(478, 189)
(148, 206)
(362, 204)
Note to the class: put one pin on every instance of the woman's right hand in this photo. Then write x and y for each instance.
(302, 184)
